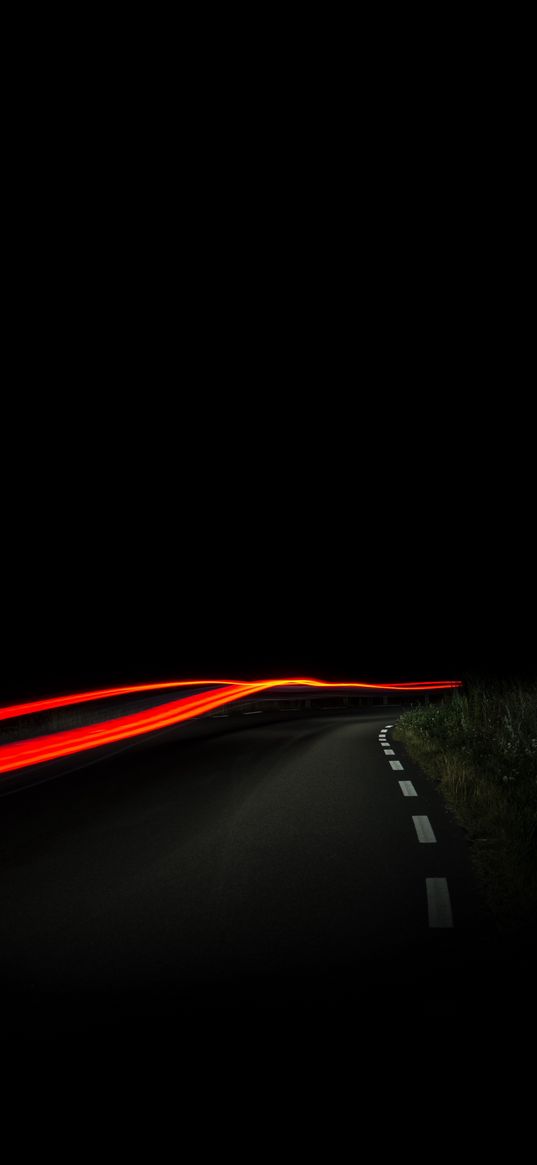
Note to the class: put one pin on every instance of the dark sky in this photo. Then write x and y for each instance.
(228, 495)
(269, 533)
(264, 412)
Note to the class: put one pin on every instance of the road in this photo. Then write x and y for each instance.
(276, 868)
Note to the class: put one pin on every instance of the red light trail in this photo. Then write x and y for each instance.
(36, 750)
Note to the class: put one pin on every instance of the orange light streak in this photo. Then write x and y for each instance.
(48, 704)
(37, 750)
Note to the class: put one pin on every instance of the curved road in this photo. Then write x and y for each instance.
(277, 866)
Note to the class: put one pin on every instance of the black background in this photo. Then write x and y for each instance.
(266, 371)
(269, 533)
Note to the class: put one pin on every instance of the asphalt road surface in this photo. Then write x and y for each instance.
(280, 868)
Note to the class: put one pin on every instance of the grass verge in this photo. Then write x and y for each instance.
(480, 745)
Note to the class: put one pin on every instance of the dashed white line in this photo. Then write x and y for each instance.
(424, 830)
(389, 752)
(220, 715)
(438, 902)
(253, 713)
(407, 789)
(389, 726)
(396, 764)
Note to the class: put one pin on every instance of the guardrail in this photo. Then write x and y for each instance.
(328, 702)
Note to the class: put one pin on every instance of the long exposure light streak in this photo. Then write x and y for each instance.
(48, 704)
(37, 750)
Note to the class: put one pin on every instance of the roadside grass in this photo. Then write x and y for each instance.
(480, 745)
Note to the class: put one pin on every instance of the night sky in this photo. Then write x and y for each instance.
(264, 421)
(323, 538)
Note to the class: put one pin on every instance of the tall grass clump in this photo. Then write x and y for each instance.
(481, 745)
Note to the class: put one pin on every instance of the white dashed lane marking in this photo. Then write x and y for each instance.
(438, 902)
(407, 789)
(424, 830)
(438, 899)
